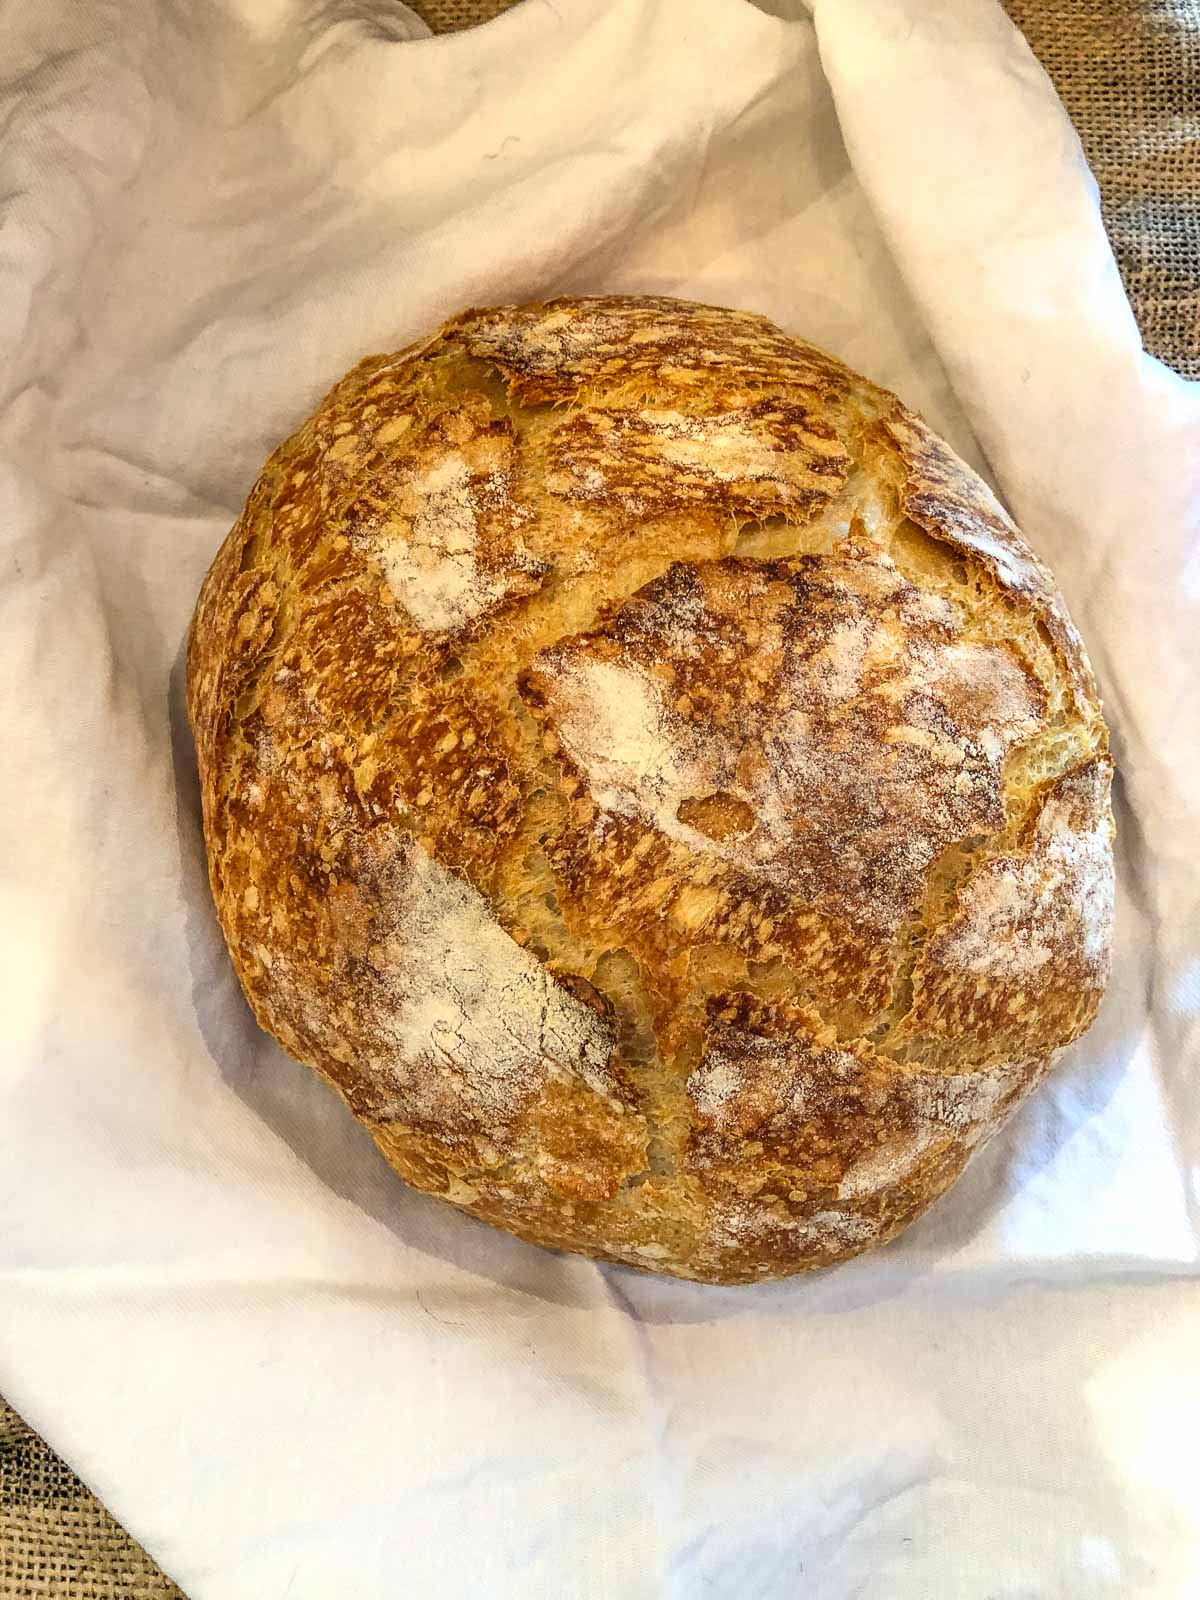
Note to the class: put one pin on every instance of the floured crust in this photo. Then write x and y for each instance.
(651, 778)
(854, 723)
(755, 460)
(571, 349)
(1030, 929)
(942, 496)
(848, 1145)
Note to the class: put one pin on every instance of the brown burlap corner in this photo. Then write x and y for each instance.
(56, 1541)
(1129, 72)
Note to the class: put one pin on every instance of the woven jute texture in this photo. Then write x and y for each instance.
(1129, 72)
(56, 1541)
(448, 16)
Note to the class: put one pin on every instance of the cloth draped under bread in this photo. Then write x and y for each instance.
(1026, 1359)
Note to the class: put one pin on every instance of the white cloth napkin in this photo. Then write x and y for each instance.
(285, 1372)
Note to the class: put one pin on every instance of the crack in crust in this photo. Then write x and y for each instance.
(845, 1140)
(1029, 929)
(696, 911)
(958, 508)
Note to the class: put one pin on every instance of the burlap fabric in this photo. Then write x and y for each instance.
(1129, 72)
(56, 1541)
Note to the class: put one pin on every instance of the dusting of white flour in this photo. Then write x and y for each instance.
(1018, 913)
(616, 726)
(477, 1023)
(450, 549)
(883, 740)
(747, 1084)
(721, 446)
(431, 563)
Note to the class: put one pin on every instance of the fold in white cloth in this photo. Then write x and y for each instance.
(285, 1372)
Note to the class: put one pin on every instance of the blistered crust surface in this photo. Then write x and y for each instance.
(1030, 929)
(842, 709)
(761, 459)
(651, 778)
(559, 352)
(952, 504)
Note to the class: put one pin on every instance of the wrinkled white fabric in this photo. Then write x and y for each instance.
(285, 1372)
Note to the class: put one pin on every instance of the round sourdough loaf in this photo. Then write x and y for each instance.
(650, 777)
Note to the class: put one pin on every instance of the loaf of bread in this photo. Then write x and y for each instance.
(648, 775)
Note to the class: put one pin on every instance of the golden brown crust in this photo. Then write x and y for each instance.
(760, 459)
(844, 709)
(848, 1145)
(563, 351)
(1027, 944)
(943, 496)
(650, 777)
